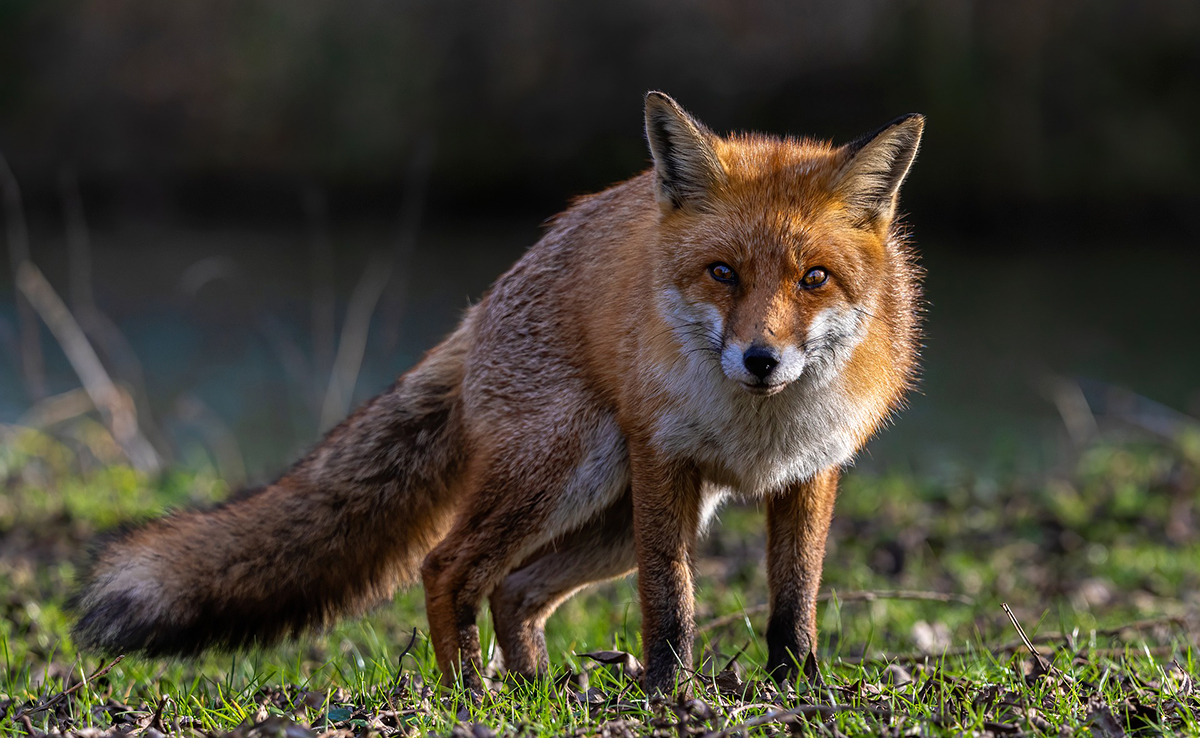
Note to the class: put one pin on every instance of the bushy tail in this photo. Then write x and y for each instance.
(336, 534)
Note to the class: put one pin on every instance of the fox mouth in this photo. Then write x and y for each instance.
(762, 389)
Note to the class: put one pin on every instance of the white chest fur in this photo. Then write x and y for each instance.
(753, 444)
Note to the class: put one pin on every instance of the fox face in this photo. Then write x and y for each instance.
(773, 301)
(775, 251)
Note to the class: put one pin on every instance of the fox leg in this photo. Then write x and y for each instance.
(601, 549)
(465, 567)
(797, 526)
(666, 523)
(516, 508)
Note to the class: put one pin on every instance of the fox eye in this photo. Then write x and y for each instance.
(814, 277)
(722, 272)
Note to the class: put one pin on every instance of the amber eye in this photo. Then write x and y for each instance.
(815, 277)
(722, 272)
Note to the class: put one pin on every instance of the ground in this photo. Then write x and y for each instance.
(930, 579)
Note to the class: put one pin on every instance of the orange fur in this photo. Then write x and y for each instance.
(667, 344)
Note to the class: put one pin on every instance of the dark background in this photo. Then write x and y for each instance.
(242, 165)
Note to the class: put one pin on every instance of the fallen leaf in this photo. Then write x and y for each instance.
(629, 664)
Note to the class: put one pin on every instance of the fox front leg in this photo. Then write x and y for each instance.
(666, 520)
(797, 527)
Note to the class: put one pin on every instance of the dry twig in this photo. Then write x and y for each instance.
(63, 694)
(116, 406)
(353, 341)
(32, 366)
(1044, 666)
(104, 334)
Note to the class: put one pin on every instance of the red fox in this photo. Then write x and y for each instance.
(736, 321)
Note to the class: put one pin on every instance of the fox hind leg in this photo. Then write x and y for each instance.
(603, 548)
(508, 518)
(552, 475)
(464, 568)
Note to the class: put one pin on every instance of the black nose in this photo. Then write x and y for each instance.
(760, 361)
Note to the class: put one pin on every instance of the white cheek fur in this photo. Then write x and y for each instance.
(756, 444)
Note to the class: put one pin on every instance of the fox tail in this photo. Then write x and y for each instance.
(336, 534)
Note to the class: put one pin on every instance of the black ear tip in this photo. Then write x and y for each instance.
(656, 100)
(916, 120)
(912, 123)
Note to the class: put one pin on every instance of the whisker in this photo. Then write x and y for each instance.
(880, 318)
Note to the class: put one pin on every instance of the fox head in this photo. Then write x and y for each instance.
(780, 256)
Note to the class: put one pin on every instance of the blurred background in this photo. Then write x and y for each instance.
(259, 212)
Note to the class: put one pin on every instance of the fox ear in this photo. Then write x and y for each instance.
(685, 164)
(876, 166)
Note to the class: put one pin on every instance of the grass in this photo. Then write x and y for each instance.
(1097, 559)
